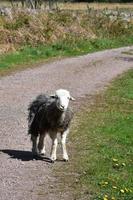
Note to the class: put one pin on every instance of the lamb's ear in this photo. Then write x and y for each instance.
(72, 98)
(53, 96)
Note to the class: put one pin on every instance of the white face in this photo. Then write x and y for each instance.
(63, 99)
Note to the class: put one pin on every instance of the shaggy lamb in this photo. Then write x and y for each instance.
(50, 115)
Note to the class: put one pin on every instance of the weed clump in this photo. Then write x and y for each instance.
(39, 28)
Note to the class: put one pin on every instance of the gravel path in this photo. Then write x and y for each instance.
(21, 177)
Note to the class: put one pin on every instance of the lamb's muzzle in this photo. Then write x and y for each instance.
(50, 115)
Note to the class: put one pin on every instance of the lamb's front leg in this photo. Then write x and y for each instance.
(54, 146)
(63, 142)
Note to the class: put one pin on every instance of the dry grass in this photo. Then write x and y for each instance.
(97, 6)
(27, 28)
(80, 6)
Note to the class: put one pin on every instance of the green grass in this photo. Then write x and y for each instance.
(25, 58)
(103, 150)
(29, 56)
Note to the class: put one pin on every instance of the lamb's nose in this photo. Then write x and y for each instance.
(62, 107)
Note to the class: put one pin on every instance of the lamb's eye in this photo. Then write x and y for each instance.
(56, 97)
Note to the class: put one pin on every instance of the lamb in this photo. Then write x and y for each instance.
(50, 115)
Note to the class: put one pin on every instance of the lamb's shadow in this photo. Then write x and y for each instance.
(24, 155)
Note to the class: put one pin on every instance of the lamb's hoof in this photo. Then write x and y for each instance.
(42, 154)
(65, 160)
(52, 161)
(35, 156)
(34, 153)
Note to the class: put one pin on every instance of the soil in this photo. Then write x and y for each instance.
(23, 177)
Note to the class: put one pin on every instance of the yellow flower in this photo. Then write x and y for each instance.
(116, 165)
(126, 190)
(114, 187)
(105, 197)
(103, 183)
(113, 198)
(115, 160)
(123, 164)
(122, 191)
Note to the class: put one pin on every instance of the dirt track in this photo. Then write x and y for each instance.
(21, 177)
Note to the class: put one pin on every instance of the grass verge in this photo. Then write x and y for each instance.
(101, 167)
(28, 56)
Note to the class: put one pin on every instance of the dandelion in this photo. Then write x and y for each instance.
(105, 197)
(114, 187)
(113, 198)
(103, 183)
(115, 160)
(122, 191)
(126, 190)
(116, 165)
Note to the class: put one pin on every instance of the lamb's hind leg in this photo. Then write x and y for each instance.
(63, 142)
(41, 146)
(34, 145)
